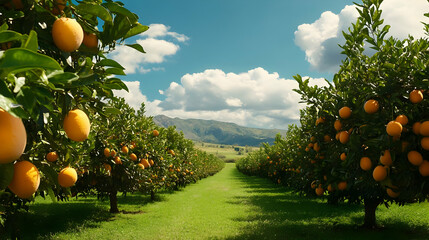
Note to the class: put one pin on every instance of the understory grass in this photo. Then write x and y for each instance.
(228, 205)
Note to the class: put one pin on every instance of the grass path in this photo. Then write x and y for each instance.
(228, 205)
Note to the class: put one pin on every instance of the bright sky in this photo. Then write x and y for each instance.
(234, 60)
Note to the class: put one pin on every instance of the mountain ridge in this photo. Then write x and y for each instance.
(218, 132)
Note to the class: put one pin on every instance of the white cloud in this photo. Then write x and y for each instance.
(320, 39)
(254, 98)
(157, 50)
(133, 97)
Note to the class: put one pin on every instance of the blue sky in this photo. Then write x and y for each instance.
(233, 60)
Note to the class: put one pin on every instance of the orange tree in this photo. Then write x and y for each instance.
(53, 60)
(366, 133)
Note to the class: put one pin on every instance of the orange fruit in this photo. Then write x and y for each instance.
(379, 173)
(59, 6)
(25, 180)
(416, 96)
(319, 191)
(344, 137)
(416, 128)
(145, 163)
(113, 153)
(67, 34)
(327, 138)
(342, 186)
(365, 163)
(316, 147)
(337, 136)
(67, 177)
(118, 160)
(345, 112)
(14, 4)
(425, 143)
(90, 40)
(320, 120)
(392, 193)
(424, 168)
(313, 139)
(343, 156)
(52, 156)
(13, 137)
(415, 158)
(402, 119)
(155, 133)
(133, 157)
(386, 158)
(140, 165)
(313, 184)
(76, 125)
(338, 125)
(424, 129)
(106, 152)
(394, 129)
(330, 188)
(124, 149)
(151, 162)
(371, 106)
(107, 167)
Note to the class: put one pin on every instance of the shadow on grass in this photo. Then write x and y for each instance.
(281, 214)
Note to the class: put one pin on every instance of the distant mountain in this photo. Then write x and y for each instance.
(219, 132)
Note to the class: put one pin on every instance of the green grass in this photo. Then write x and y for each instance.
(228, 205)
(225, 152)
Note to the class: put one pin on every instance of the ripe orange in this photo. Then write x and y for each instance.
(330, 188)
(344, 137)
(67, 177)
(319, 191)
(118, 160)
(342, 186)
(133, 157)
(145, 163)
(67, 34)
(113, 153)
(313, 184)
(343, 156)
(76, 125)
(425, 143)
(371, 106)
(13, 137)
(424, 168)
(107, 167)
(151, 162)
(327, 138)
(415, 158)
(320, 120)
(394, 129)
(338, 125)
(25, 180)
(90, 40)
(392, 193)
(316, 147)
(379, 173)
(365, 163)
(402, 119)
(424, 129)
(386, 158)
(106, 152)
(416, 96)
(313, 139)
(155, 133)
(124, 149)
(345, 112)
(140, 165)
(337, 136)
(416, 128)
(52, 156)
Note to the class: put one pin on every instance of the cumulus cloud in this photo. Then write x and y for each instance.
(321, 38)
(254, 98)
(158, 42)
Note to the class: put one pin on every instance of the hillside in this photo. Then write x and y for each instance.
(219, 132)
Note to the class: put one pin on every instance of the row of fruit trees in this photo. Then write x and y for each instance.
(62, 131)
(365, 137)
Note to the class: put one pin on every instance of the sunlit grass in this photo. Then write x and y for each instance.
(228, 205)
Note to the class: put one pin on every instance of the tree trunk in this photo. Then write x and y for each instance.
(152, 195)
(370, 207)
(113, 201)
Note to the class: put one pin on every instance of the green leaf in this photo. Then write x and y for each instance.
(116, 8)
(4, 27)
(21, 59)
(139, 28)
(63, 78)
(31, 43)
(116, 71)
(6, 175)
(136, 46)
(109, 63)
(112, 110)
(95, 10)
(8, 35)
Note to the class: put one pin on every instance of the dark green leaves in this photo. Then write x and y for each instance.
(95, 10)
(6, 175)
